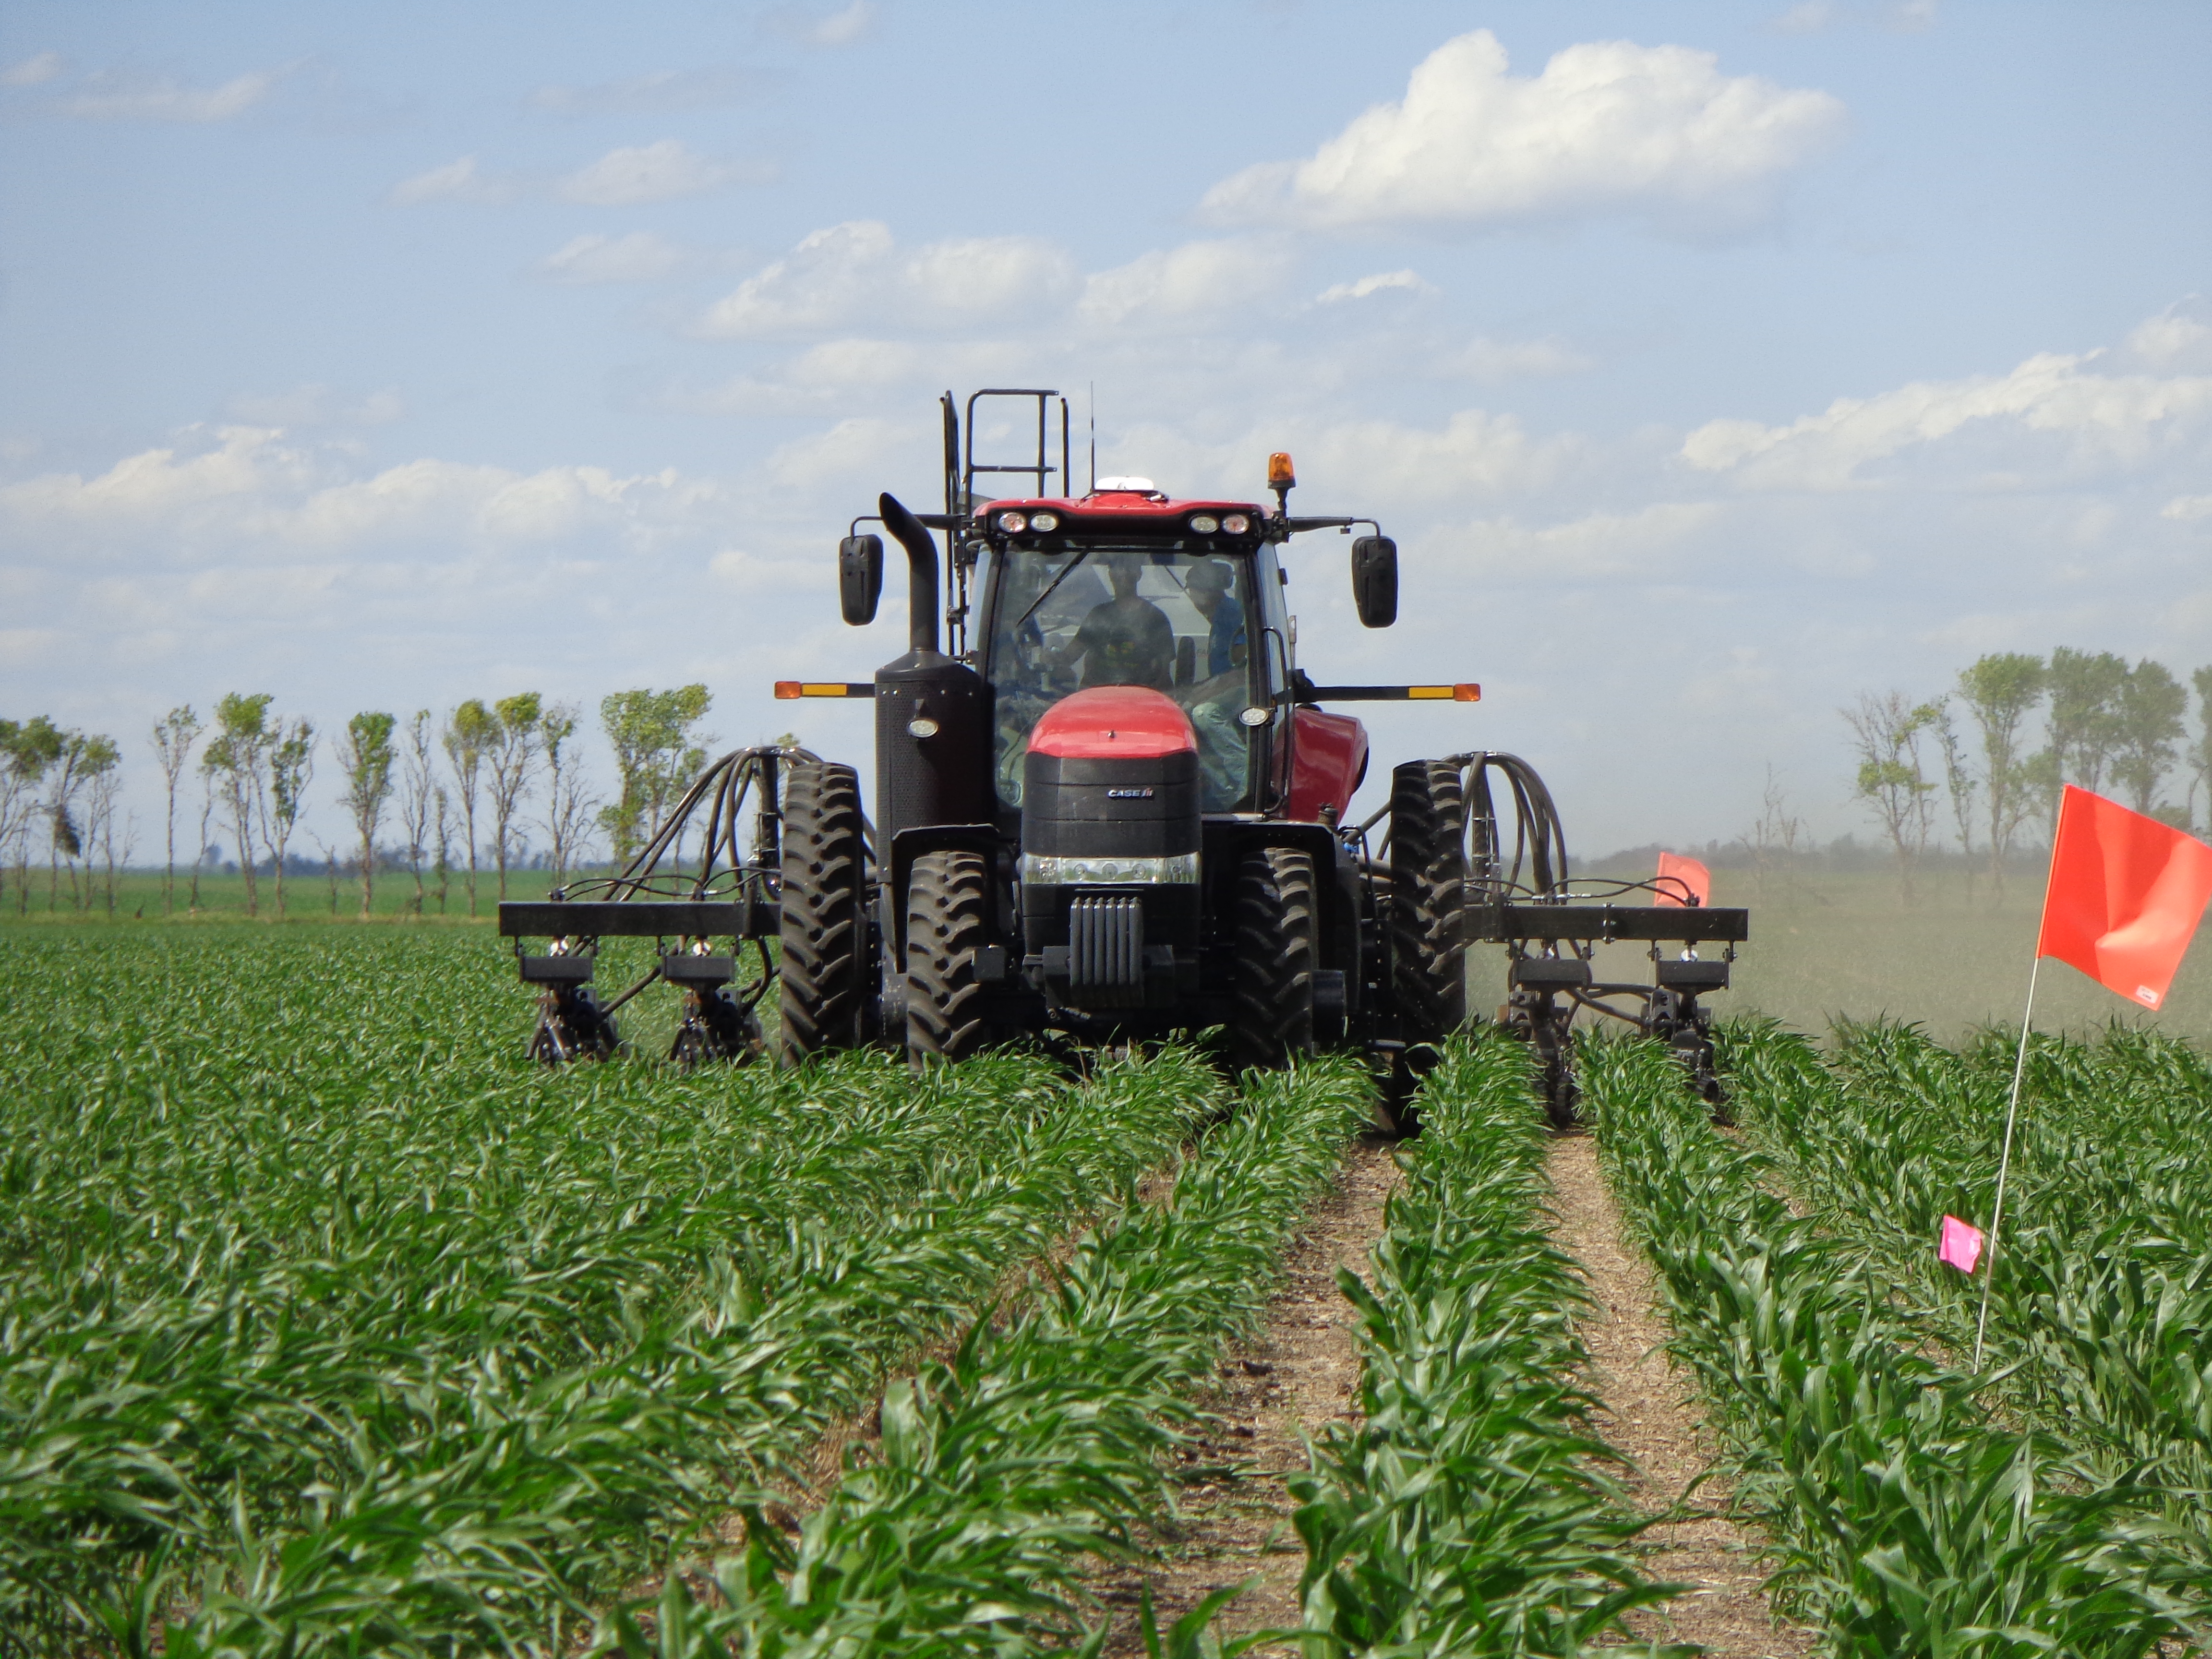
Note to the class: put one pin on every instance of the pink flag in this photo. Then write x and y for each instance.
(1681, 881)
(1962, 1245)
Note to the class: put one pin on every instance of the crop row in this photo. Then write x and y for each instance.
(1905, 1518)
(1472, 1510)
(1001, 1473)
(2101, 1322)
(326, 1310)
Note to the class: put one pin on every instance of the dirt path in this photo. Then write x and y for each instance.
(1645, 1417)
(1300, 1374)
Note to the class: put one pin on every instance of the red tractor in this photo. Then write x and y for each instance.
(1109, 803)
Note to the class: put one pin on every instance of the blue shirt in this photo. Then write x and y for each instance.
(1224, 636)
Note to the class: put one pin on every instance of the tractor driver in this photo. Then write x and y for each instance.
(1126, 640)
(1210, 582)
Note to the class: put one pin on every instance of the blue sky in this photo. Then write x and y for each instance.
(1711, 364)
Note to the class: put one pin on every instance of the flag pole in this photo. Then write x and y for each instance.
(2004, 1161)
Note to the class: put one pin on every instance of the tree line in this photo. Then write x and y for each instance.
(449, 790)
(2029, 725)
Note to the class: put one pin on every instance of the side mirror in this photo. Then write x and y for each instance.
(860, 577)
(1375, 580)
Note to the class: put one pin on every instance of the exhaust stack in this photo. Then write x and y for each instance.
(921, 595)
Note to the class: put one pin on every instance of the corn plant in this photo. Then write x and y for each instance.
(1903, 1519)
(334, 1324)
(1041, 1445)
(2101, 1306)
(1472, 1511)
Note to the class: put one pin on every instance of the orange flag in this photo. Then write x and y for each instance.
(2125, 896)
(1682, 881)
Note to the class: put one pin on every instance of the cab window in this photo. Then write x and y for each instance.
(1178, 622)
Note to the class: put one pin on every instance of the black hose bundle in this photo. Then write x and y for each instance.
(1538, 839)
(726, 870)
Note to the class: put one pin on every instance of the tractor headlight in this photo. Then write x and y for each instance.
(1204, 522)
(1044, 520)
(1236, 523)
(1013, 523)
(1050, 870)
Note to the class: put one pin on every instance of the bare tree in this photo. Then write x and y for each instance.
(291, 768)
(2200, 747)
(365, 756)
(1892, 779)
(233, 756)
(207, 816)
(330, 868)
(101, 815)
(1776, 837)
(1999, 691)
(569, 803)
(443, 810)
(174, 734)
(513, 759)
(1959, 780)
(471, 732)
(418, 779)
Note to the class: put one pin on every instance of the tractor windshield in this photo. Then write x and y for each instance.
(1179, 623)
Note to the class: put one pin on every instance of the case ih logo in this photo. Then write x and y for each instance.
(1129, 794)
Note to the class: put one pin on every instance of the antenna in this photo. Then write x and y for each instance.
(1094, 437)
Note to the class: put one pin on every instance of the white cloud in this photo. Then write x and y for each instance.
(830, 373)
(843, 27)
(1363, 288)
(646, 94)
(1487, 361)
(31, 71)
(1806, 17)
(108, 97)
(857, 273)
(1473, 455)
(253, 488)
(1816, 16)
(455, 181)
(316, 404)
(2188, 508)
(1608, 127)
(2118, 417)
(658, 171)
(2180, 336)
(1598, 546)
(1189, 281)
(639, 257)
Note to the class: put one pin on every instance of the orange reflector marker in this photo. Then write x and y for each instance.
(1466, 693)
(787, 690)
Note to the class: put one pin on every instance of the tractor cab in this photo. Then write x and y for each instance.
(1126, 588)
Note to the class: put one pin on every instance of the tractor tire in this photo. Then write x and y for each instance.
(1271, 1017)
(948, 907)
(1428, 883)
(821, 965)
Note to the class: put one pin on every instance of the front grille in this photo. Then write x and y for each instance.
(1106, 943)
